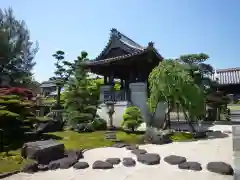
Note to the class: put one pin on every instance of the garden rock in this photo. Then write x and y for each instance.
(102, 165)
(220, 168)
(119, 145)
(113, 160)
(131, 147)
(139, 151)
(175, 160)
(42, 167)
(149, 158)
(50, 126)
(129, 162)
(63, 163)
(75, 154)
(81, 165)
(195, 166)
(43, 151)
(54, 165)
(200, 135)
(30, 168)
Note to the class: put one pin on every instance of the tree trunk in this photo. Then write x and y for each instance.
(189, 122)
(58, 95)
(167, 122)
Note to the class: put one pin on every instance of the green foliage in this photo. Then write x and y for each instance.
(132, 118)
(99, 124)
(13, 112)
(81, 96)
(171, 83)
(64, 69)
(16, 49)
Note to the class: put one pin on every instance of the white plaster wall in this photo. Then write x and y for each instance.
(117, 116)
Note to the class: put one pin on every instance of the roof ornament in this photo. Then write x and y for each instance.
(151, 44)
(115, 33)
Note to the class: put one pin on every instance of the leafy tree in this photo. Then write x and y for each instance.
(171, 83)
(200, 71)
(16, 49)
(81, 99)
(132, 118)
(64, 70)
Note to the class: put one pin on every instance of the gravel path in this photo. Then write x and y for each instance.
(202, 151)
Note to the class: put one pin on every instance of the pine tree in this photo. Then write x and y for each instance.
(80, 98)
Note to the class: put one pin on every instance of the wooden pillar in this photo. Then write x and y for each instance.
(122, 84)
(105, 79)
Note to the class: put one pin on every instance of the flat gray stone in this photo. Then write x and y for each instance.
(102, 165)
(119, 145)
(129, 162)
(131, 147)
(175, 160)
(81, 165)
(195, 166)
(220, 168)
(149, 158)
(113, 160)
(139, 151)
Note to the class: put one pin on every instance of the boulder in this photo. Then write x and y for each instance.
(30, 168)
(43, 151)
(139, 151)
(220, 168)
(54, 165)
(81, 165)
(195, 166)
(49, 126)
(129, 162)
(102, 165)
(200, 135)
(175, 160)
(154, 136)
(113, 160)
(149, 158)
(131, 147)
(42, 167)
(75, 154)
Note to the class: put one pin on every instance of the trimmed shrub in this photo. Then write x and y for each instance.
(132, 118)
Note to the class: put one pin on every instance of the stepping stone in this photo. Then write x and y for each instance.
(175, 160)
(131, 147)
(102, 165)
(220, 168)
(195, 166)
(113, 160)
(119, 145)
(139, 151)
(129, 162)
(81, 165)
(149, 158)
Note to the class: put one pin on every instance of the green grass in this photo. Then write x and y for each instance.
(181, 136)
(74, 140)
(71, 140)
(11, 162)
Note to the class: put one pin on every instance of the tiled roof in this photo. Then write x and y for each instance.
(47, 84)
(228, 76)
(118, 39)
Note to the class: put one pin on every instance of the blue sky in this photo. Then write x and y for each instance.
(175, 26)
